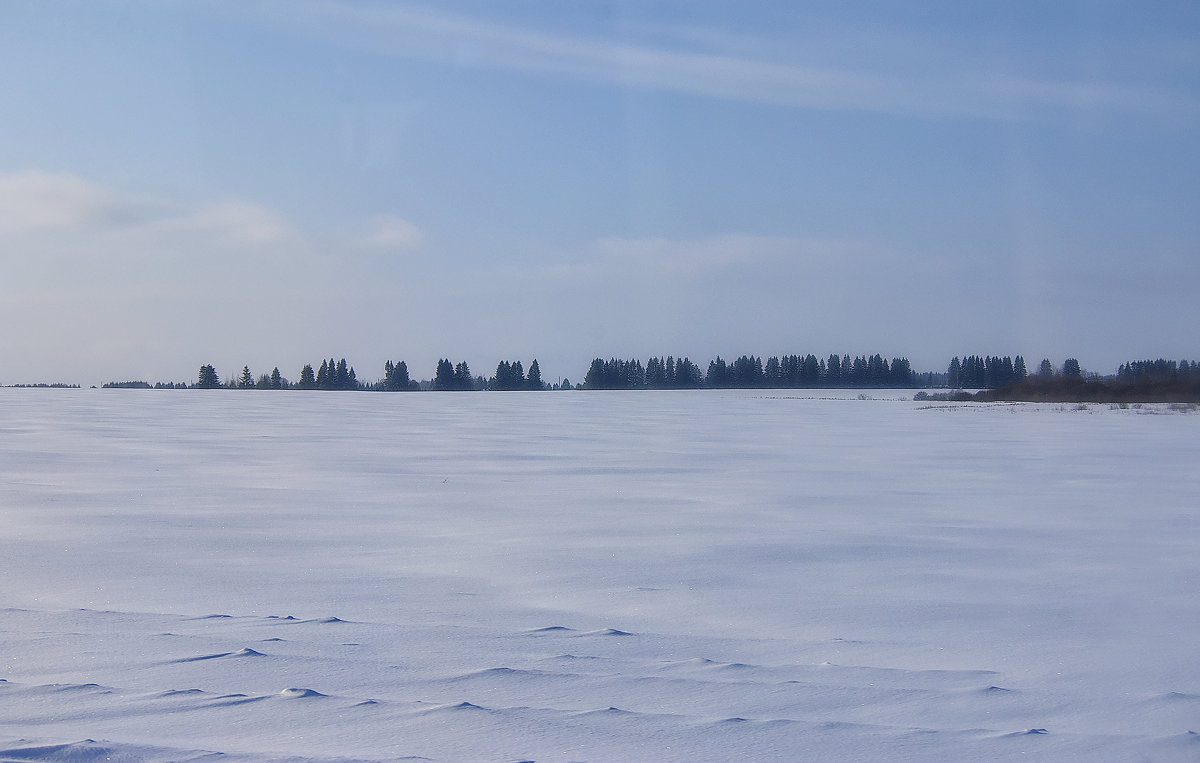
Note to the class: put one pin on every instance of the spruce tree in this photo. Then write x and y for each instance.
(208, 378)
(462, 377)
(812, 371)
(858, 372)
(876, 371)
(656, 373)
(398, 379)
(594, 379)
(718, 373)
(687, 375)
(833, 371)
(773, 372)
(534, 380)
(954, 374)
(443, 378)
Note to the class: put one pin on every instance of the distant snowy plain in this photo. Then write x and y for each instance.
(603, 576)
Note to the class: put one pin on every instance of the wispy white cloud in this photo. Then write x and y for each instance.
(39, 202)
(900, 75)
(236, 222)
(35, 199)
(391, 232)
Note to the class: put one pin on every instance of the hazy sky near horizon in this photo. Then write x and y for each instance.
(273, 183)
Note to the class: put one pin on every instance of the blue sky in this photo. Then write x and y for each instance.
(267, 184)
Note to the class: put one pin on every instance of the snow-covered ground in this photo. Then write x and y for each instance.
(595, 576)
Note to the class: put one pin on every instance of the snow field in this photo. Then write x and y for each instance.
(594, 576)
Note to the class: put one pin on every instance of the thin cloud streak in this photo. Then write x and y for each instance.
(947, 88)
(36, 201)
(395, 233)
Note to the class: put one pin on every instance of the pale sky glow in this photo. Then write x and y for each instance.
(269, 184)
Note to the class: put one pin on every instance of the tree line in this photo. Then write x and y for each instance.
(339, 375)
(746, 372)
(1135, 382)
(978, 372)
(1158, 370)
(750, 372)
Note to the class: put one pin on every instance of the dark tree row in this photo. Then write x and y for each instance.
(511, 377)
(208, 378)
(615, 374)
(1158, 370)
(978, 372)
(1135, 382)
(339, 375)
(673, 374)
(331, 375)
(395, 378)
(748, 371)
(455, 377)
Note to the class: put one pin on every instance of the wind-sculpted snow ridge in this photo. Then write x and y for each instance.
(101, 751)
(296, 693)
(711, 708)
(243, 652)
(553, 629)
(89, 750)
(616, 696)
(635, 577)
